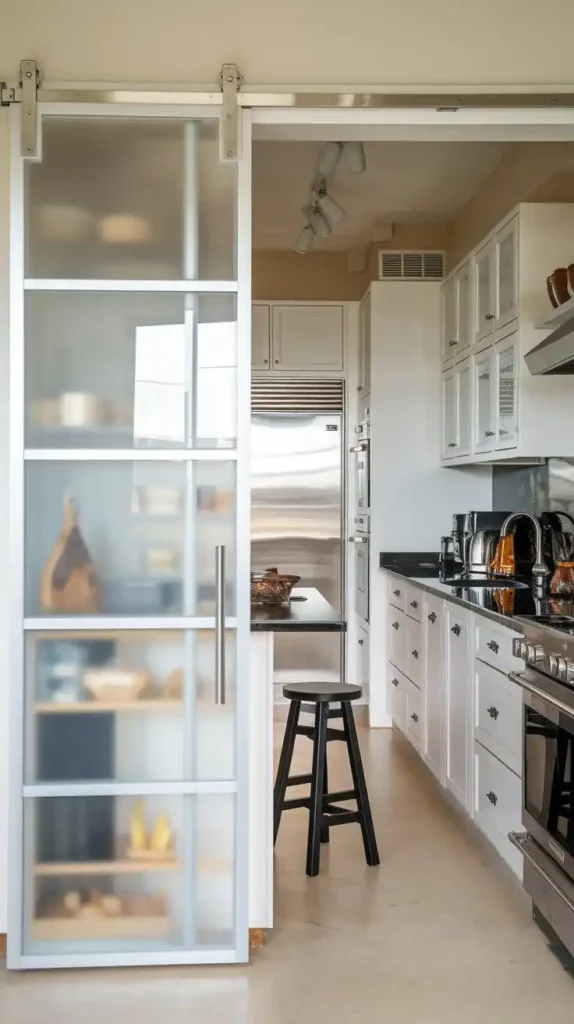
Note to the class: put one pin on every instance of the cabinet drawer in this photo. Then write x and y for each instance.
(498, 716)
(493, 644)
(397, 593)
(397, 638)
(413, 655)
(399, 685)
(498, 797)
(414, 600)
(413, 725)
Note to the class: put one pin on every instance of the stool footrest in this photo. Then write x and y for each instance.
(341, 816)
(299, 780)
(309, 732)
(302, 801)
(344, 794)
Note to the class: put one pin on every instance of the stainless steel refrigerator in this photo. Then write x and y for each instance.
(297, 516)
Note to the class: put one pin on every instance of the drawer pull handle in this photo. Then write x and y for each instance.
(395, 625)
(493, 712)
(452, 344)
(489, 316)
(361, 642)
(455, 629)
(414, 604)
(395, 682)
(489, 433)
(414, 717)
(452, 444)
(397, 593)
(493, 646)
(492, 797)
(432, 617)
(415, 654)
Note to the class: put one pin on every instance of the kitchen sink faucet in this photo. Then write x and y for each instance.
(539, 569)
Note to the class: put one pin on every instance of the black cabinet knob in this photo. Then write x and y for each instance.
(415, 654)
(455, 629)
(493, 646)
(395, 682)
(493, 712)
(414, 604)
(492, 797)
(414, 717)
(397, 593)
(361, 642)
(395, 625)
(432, 617)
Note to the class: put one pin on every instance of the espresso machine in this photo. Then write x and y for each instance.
(470, 547)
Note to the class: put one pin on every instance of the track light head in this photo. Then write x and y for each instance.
(304, 240)
(328, 206)
(355, 157)
(319, 222)
(329, 159)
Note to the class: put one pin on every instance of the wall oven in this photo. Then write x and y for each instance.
(361, 450)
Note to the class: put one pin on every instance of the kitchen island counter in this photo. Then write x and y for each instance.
(307, 611)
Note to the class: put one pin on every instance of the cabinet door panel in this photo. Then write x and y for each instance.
(449, 333)
(484, 425)
(434, 669)
(506, 274)
(449, 425)
(458, 693)
(506, 391)
(464, 407)
(397, 638)
(484, 291)
(308, 338)
(463, 308)
(260, 338)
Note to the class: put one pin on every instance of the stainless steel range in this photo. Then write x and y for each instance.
(548, 770)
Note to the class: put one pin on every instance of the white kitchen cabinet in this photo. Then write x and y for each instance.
(484, 287)
(463, 296)
(449, 414)
(260, 338)
(397, 638)
(458, 701)
(399, 688)
(506, 391)
(364, 382)
(308, 338)
(484, 411)
(449, 327)
(464, 407)
(413, 722)
(497, 804)
(498, 715)
(506, 245)
(434, 692)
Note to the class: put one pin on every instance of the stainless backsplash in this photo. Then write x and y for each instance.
(534, 488)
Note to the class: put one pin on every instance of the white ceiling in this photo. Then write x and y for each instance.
(406, 182)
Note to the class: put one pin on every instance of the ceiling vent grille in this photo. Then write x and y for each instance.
(411, 266)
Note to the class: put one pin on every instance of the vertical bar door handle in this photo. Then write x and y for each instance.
(220, 624)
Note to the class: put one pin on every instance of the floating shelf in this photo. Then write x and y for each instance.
(59, 929)
(556, 317)
(126, 866)
(90, 707)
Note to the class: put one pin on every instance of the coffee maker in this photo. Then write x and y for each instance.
(456, 548)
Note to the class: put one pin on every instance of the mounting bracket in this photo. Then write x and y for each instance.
(229, 143)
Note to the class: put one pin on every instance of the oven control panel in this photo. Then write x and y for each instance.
(553, 664)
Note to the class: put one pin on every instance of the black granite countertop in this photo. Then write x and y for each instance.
(314, 614)
(503, 604)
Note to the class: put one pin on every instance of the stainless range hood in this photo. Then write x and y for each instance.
(555, 354)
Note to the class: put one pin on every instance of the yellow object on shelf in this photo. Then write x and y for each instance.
(160, 841)
(138, 838)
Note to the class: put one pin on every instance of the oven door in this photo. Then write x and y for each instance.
(548, 779)
(362, 472)
(362, 575)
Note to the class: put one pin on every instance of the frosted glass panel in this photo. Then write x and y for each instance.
(127, 538)
(127, 706)
(130, 198)
(129, 873)
(122, 370)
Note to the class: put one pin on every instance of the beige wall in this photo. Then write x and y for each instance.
(529, 172)
(283, 41)
(323, 276)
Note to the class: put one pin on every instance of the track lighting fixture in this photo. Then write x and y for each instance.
(305, 240)
(319, 222)
(355, 157)
(329, 159)
(328, 206)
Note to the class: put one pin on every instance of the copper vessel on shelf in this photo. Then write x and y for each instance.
(271, 587)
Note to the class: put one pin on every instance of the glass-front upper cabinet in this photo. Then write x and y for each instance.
(130, 518)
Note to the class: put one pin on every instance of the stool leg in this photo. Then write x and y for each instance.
(317, 783)
(360, 786)
(285, 764)
(325, 825)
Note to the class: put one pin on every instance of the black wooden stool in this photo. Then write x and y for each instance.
(322, 805)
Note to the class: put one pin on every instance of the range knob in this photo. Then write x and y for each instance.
(570, 672)
(519, 648)
(562, 670)
(553, 664)
(534, 653)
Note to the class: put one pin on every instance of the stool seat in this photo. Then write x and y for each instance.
(315, 692)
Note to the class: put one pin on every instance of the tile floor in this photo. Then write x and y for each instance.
(440, 933)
